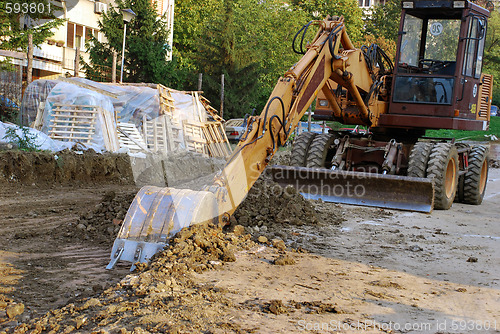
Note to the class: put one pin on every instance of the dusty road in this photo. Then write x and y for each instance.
(384, 271)
(400, 271)
(40, 265)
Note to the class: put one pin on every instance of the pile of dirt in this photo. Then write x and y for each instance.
(266, 212)
(268, 207)
(162, 297)
(281, 158)
(177, 169)
(101, 224)
(65, 167)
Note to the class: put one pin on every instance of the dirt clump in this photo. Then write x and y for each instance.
(284, 260)
(268, 207)
(314, 307)
(276, 307)
(161, 297)
(100, 225)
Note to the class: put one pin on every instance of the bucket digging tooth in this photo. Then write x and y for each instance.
(157, 214)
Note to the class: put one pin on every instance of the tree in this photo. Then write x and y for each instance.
(19, 18)
(382, 26)
(145, 43)
(384, 20)
(248, 41)
(319, 9)
(491, 63)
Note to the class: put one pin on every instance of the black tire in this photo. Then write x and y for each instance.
(300, 148)
(477, 175)
(443, 170)
(419, 158)
(320, 154)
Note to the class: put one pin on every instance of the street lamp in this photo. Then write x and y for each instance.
(128, 15)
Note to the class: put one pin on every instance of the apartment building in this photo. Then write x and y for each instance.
(57, 55)
(367, 5)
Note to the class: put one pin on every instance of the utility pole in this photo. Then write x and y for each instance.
(200, 81)
(113, 70)
(222, 96)
(20, 87)
(77, 62)
(30, 60)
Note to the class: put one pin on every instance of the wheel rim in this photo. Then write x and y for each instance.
(484, 176)
(449, 184)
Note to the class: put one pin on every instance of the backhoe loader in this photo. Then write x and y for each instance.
(436, 82)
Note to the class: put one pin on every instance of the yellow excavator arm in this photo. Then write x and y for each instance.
(323, 61)
(157, 213)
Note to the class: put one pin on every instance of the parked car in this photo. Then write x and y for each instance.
(235, 128)
(315, 127)
(494, 111)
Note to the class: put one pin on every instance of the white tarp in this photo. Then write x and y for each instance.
(40, 139)
(129, 103)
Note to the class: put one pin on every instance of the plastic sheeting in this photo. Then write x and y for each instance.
(36, 92)
(130, 103)
(40, 139)
(66, 93)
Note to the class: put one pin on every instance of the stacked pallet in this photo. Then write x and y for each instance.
(217, 143)
(178, 127)
(78, 123)
(161, 135)
(130, 137)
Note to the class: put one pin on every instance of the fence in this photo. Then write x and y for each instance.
(10, 94)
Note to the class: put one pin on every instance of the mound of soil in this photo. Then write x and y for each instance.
(268, 207)
(100, 225)
(161, 297)
(264, 212)
(65, 167)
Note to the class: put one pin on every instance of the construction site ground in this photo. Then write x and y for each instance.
(354, 270)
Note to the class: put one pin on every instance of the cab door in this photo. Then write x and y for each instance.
(470, 81)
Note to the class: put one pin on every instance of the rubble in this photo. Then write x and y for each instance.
(268, 207)
(159, 297)
(100, 225)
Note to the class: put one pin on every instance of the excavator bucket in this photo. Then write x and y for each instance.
(356, 188)
(155, 215)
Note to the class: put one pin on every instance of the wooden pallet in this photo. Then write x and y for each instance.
(161, 135)
(218, 145)
(166, 101)
(130, 137)
(211, 110)
(194, 138)
(40, 114)
(77, 123)
(73, 123)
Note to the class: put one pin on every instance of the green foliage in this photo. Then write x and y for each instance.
(25, 141)
(319, 9)
(145, 49)
(251, 56)
(8, 113)
(14, 36)
(491, 63)
(384, 21)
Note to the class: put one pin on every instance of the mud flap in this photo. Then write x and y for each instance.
(356, 188)
(155, 215)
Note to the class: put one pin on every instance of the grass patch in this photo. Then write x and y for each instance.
(469, 135)
(457, 134)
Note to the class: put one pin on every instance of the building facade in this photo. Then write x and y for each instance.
(57, 55)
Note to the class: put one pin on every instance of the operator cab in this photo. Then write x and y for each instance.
(437, 78)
